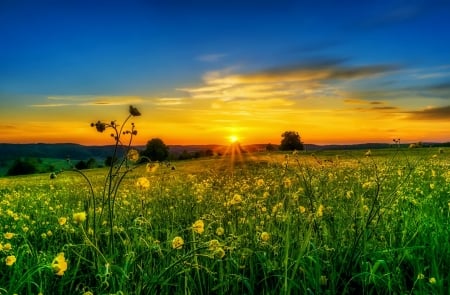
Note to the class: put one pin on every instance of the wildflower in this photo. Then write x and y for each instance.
(265, 236)
(287, 182)
(266, 195)
(133, 155)
(43, 235)
(143, 183)
(49, 233)
(1, 247)
(220, 231)
(177, 243)
(79, 217)
(9, 236)
(368, 153)
(10, 260)
(302, 209)
(62, 220)
(260, 182)
(100, 126)
(88, 293)
(237, 199)
(219, 253)
(420, 276)
(198, 226)
(59, 264)
(319, 212)
(134, 111)
(432, 280)
(432, 185)
(7, 247)
(213, 245)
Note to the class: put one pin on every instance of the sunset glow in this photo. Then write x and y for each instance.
(336, 74)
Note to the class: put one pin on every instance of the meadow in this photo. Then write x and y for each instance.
(336, 222)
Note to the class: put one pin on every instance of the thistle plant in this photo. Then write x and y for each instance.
(119, 167)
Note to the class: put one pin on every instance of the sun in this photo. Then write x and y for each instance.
(233, 138)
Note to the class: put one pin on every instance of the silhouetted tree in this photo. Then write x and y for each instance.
(81, 165)
(291, 141)
(270, 147)
(156, 150)
(109, 161)
(91, 163)
(22, 167)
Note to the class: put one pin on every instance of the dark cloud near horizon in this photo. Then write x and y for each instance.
(438, 113)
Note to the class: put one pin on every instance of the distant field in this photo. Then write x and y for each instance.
(325, 222)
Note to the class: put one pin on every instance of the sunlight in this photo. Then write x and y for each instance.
(233, 139)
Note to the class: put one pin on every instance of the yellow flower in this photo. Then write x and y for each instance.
(213, 245)
(79, 217)
(287, 182)
(420, 276)
(59, 264)
(319, 212)
(260, 182)
(265, 236)
(10, 260)
(7, 247)
(219, 253)
(432, 280)
(62, 220)
(220, 231)
(88, 293)
(302, 209)
(9, 236)
(143, 183)
(198, 226)
(133, 155)
(237, 199)
(177, 243)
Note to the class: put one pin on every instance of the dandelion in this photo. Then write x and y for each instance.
(319, 212)
(260, 182)
(432, 280)
(420, 276)
(287, 182)
(177, 243)
(79, 217)
(219, 253)
(237, 199)
(59, 264)
(220, 230)
(62, 220)
(302, 209)
(198, 226)
(265, 236)
(9, 236)
(143, 183)
(213, 245)
(10, 260)
(133, 155)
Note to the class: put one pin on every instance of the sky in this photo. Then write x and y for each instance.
(205, 71)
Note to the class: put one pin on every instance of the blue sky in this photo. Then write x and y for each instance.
(251, 68)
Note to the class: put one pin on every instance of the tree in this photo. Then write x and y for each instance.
(156, 150)
(21, 167)
(291, 141)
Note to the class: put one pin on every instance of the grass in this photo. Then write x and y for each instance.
(333, 222)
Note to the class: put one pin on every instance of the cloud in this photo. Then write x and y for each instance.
(435, 113)
(66, 101)
(173, 101)
(211, 57)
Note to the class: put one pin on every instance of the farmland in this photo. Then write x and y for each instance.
(332, 222)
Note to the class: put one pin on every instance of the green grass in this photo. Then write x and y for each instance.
(334, 222)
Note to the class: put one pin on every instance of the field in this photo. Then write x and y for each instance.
(268, 223)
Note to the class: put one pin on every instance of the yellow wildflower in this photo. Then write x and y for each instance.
(62, 220)
(213, 245)
(59, 264)
(9, 236)
(143, 183)
(319, 212)
(7, 247)
(237, 199)
(265, 236)
(79, 217)
(133, 155)
(177, 243)
(198, 226)
(287, 182)
(420, 276)
(260, 182)
(219, 253)
(10, 260)
(220, 230)
(432, 280)
(302, 209)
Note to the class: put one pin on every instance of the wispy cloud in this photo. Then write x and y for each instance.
(214, 57)
(432, 113)
(67, 101)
